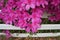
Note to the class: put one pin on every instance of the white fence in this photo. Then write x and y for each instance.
(44, 27)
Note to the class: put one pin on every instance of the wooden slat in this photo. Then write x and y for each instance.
(34, 35)
(43, 27)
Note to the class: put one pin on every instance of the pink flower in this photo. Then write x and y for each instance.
(54, 10)
(52, 18)
(34, 20)
(8, 35)
(41, 2)
(1, 4)
(29, 4)
(56, 2)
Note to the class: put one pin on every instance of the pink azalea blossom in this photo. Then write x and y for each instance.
(8, 35)
(34, 20)
(55, 2)
(41, 2)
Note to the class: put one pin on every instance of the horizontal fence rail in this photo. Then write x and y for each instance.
(34, 35)
(43, 27)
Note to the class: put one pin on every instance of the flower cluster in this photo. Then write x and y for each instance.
(23, 13)
(53, 9)
(28, 13)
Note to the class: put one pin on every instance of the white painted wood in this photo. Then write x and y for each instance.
(34, 35)
(43, 27)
